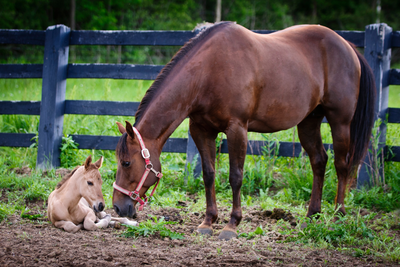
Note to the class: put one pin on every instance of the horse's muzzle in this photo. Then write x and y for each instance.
(126, 211)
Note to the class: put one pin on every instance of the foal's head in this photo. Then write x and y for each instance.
(90, 184)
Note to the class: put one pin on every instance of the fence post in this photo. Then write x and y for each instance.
(54, 77)
(191, 152)
(377, 51)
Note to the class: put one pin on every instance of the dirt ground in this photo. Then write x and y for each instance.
(27, 242)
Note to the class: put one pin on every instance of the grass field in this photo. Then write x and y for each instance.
(269, 181)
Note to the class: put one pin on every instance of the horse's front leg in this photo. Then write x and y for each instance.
(237, 147)
(90, 221)
(205, 142)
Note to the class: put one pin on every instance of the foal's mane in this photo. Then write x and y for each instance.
(66, 178)
(151, 92)
(69, 175)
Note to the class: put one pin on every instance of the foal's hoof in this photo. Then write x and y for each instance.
(205, 231)
(227, 235)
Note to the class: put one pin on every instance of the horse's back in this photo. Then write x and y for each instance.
(274, 81)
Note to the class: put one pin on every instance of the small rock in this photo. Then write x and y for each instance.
(117, 225)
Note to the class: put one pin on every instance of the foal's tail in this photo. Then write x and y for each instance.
(363, 119)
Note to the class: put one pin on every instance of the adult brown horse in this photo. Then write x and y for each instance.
(229, 79)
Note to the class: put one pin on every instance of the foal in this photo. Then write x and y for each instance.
(72, 205)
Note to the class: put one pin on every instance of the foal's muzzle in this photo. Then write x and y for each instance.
(99, 207)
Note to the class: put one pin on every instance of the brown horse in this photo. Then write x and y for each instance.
(229, 79)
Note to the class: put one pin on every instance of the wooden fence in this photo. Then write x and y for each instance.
(377, 41)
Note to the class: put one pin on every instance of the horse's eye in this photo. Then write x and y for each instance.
(126, 163)
(89, 183)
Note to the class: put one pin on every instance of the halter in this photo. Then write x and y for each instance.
(149, 167)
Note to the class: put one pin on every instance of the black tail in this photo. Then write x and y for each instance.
(363, 120)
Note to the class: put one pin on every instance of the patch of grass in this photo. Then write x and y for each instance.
(349, 233)
(6, 210)
(151, 227)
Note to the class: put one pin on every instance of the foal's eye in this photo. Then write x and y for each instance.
(89, 183)
(126, 163)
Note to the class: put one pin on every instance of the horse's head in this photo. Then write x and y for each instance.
(90, 184)
(131, 167)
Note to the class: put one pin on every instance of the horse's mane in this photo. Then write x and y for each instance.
(66, 177)
(122, 148)
(205, 31)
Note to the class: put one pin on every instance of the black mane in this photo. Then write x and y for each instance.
(167, 69)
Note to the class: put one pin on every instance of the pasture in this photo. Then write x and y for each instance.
(270, 182)
(369, 234)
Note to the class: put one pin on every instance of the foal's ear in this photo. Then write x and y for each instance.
(99, 162)
(87, 162)
(129, 130)
(121, 128)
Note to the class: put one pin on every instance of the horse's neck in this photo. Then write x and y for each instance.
(164, 114)
(70, 193)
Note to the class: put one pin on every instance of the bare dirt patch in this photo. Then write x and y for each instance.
(27, 242)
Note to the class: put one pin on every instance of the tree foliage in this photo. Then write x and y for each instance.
(185, 14)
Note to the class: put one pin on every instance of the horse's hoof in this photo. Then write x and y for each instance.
(205, 231)
(227, 235)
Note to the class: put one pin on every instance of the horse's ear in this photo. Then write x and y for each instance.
(99, 162)
(121, 128)
(88, 161)
(129, 130)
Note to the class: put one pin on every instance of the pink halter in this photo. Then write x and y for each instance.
(149, 167)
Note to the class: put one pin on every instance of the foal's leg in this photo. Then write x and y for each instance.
(205, 142)
(90, 221)
(310, 139)
(68, 226)
(237, 146)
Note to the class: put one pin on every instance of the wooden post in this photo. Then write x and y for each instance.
(55, 65)
(377, 51)
(191, 152)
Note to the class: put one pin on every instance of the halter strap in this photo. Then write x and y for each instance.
(149, 168)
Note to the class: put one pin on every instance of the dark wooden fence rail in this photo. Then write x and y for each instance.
(377, 40)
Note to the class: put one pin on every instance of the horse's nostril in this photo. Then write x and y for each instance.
(130, 212)
(101, 206)
(117, 210)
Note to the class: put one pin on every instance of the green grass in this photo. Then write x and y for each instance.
(268, 181)
(356, 234)
(152, 227)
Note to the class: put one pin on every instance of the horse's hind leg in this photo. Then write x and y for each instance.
(341, 147)
(68, 226)
(310, 139)
(205, 142)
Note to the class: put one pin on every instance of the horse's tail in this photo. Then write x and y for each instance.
(363, 119)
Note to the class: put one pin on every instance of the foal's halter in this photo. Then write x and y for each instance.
(149, 168)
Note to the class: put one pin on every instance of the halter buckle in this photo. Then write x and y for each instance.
(145, 153)
(134, 196)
